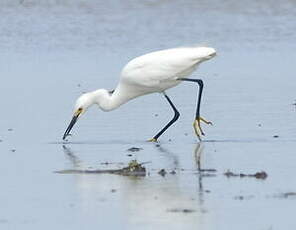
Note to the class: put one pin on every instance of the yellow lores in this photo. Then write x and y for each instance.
(78, 112)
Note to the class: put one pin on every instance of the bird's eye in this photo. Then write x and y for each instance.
(80, 109)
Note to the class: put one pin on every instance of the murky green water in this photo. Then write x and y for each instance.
(51, 51)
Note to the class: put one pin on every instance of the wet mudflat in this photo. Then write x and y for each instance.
(52, 51)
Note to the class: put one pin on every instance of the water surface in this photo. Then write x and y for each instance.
(52, 51)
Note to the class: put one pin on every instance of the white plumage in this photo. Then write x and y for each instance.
(159, 70)
(149, 73)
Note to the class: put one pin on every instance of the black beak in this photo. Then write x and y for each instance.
(72, 123)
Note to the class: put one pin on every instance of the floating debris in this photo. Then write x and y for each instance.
(185, 210)
(173, 172)
(207, 170)
(241, 197)
(275, 136)
(129, 155)
(258, 175)
(111, 163)
(286, 195)
(289, 194)
(134, 149)
(113, 190)
(207, 175)
(162, 172)
(13, 150)
(10, 129)
(133, 169)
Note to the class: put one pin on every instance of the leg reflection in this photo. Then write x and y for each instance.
(197, 154)
(168, 154)
(202, 172)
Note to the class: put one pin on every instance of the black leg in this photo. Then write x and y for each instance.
(200, 84)
(175, 118)
(198, 118)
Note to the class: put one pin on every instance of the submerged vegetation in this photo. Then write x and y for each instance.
(133, 169)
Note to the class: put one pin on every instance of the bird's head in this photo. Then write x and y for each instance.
(100, 97)
(83, 103)
(81, 106)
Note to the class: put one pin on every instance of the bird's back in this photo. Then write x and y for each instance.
(158, 71)
(153, 69)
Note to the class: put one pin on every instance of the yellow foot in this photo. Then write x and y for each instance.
(205, 121)
(152, 140)
(197, 128)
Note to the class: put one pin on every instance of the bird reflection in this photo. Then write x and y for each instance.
(147, 200)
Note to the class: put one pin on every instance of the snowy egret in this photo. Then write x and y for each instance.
(151, 73)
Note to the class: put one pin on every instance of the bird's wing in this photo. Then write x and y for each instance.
(151, 69)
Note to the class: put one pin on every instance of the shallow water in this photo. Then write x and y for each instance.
(51, 51)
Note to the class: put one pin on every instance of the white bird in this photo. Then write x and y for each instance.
(151, 73)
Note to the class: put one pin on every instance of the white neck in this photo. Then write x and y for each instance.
(109, 101)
